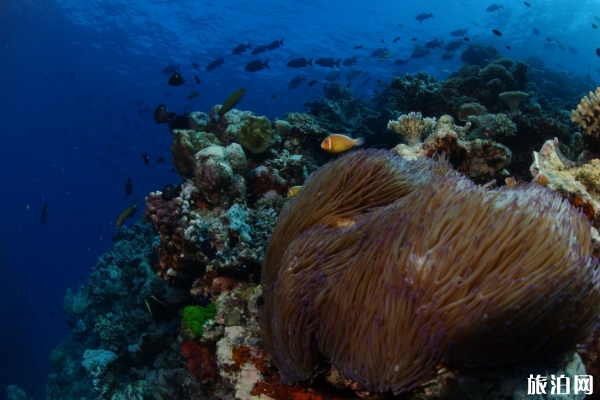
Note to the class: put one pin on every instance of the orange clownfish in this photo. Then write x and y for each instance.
(293, 191)
(542, 179)
(336, 143)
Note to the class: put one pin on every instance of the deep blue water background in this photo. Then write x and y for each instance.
(71, 72)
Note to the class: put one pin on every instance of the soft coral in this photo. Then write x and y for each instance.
(200, 360)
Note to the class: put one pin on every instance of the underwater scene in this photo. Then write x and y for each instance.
(300, 200)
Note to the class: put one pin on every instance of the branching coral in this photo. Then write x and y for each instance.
(587, 114)
(385, 290)
(513, 99)
(412, 126)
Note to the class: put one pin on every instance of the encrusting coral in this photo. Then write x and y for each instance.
(412, 127)
(399, 265)
(513, 99)
(587, 114)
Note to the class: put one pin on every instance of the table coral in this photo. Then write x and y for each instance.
(587, 114)
(462, 273)
(513, 99)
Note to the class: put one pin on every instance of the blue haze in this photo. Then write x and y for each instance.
(70, 74)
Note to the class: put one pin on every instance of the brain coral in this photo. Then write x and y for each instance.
(383, 268)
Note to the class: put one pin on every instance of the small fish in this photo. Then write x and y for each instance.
(25, 208)
(527, 4)
(327, 62)
(384, 57)
(497, 32)
(176, 79)
(419, 53)
(396, 39)
(459, 32)
(598, 51)
(274, 45)
(215, 63)
(414, 39)
(448, 56)
(295, 82)
(154, 306)
(452, 46)
(422, 17)
(274, 96)
(312, 82)
(536, 31)
(170, 69)
(127, 213)
(508, 48)
(432, 44)
(542, 179)
(349, 61)
(466, 39)
(382, 40)
(160, 159)
(548, 40)
(259, 49)
(44, 213)
(162, 114)
(231, 101)
(357, 47)
(572, 50)
(196, 66)
(128, 186)
(594, 26)
(348, 85)
(146, 158)
(241, 48)
(494, 7)
(378, 52)
(192, 95)
(299, 63)
(197, 79)
(336, 143)
(510, 181)
(293, 191)
(257, 65)
(401, 26)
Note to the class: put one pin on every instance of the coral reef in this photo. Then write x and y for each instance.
(185, 145)
(387, 269)
(513, 99)
(587, 114)
(256, 134)
(468, 109)
(412, 127)
(493, 125)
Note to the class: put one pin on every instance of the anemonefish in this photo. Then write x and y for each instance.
(542, 179)
(510, 181)
(336, 143)
(293, 191)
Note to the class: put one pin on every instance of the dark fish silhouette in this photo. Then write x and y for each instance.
(536, 31)
(401, 62)
(146, 158)
(494, 7)
(432, 44)
(192, 95)
(419, 53)
(257, 65)
(299, 63)
(466, 39)
(422, 17)
(216, 63)
(527, 4)
(357, 47)
(197, 79)
(548, 40)
(349, 61)
(169, 192)
(162, 114)
(327, 62)
(572, 50)
(497, 32)
(44, 213)
(295, 82)
(448, 56)
(452, 46)
(195, 65)
(170, 69)
(594, 26)
(396, 39)
(379, 52)
(275, 44)
(128, 187)
(459, 32)
(160, 159)
(598, 51)
(508, 47)
(241, 48)
(312, 82)
(259, 49)
(176, 79)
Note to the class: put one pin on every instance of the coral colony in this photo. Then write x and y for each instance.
(449, 264)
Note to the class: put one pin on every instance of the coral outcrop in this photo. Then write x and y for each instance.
(587, 114)
(256, 134)
(388, 293)
(412, 127)
(513, 99)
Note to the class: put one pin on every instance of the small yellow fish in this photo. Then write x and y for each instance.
(293, 191)
(542, 179)
(510, 182)
(385, 56)
(336, 143)
(127, 213)
(192, 95)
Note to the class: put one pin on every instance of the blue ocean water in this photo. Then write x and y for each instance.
(80, 80)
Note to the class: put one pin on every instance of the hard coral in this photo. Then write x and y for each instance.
(587, 114)
(256, 134)
(434, 268)
(513, 99)
(412, 127)
(201, 362)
